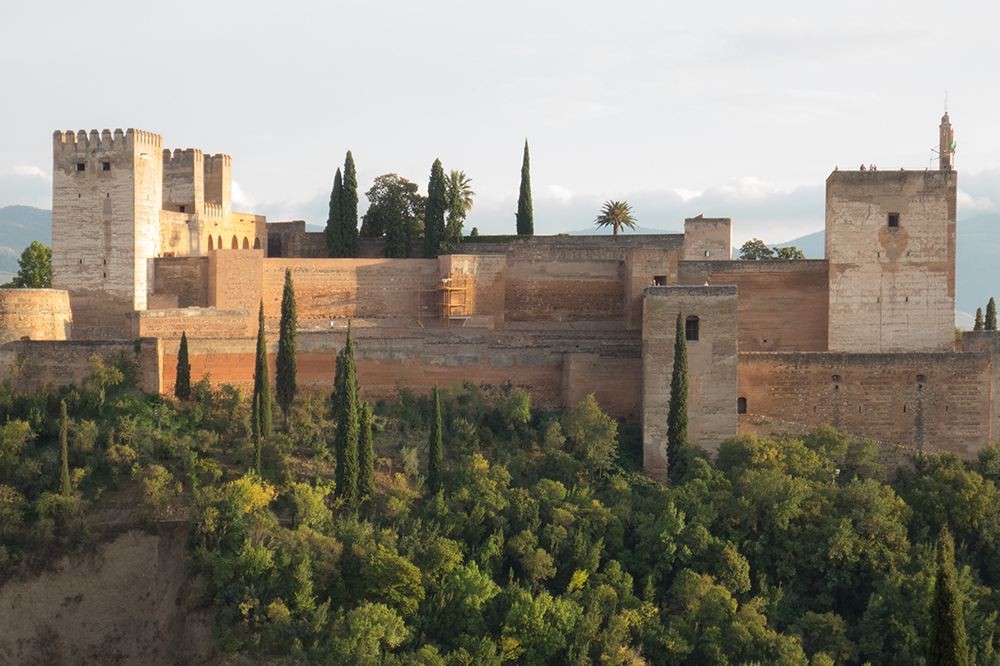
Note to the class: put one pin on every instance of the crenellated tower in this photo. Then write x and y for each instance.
(107, 191)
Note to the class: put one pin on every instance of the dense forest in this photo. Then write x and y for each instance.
(544, 543)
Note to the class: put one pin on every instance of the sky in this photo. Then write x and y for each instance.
(727, 109)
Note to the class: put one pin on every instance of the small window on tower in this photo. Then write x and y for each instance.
(893, 220)
(182, 208)
(80, 166)
(691, 329)
(105, 166)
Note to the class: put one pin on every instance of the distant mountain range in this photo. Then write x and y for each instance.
(978, 250)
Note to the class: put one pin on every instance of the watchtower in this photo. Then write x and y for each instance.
(106, 200)
(890, 243)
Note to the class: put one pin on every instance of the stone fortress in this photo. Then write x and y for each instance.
(146, 246)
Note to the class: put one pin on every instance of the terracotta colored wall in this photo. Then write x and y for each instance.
(538, 291)
(783, 305)
(932, 401)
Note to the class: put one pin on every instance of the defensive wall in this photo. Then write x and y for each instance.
(933, 401)
(31, 364)
(35, 314)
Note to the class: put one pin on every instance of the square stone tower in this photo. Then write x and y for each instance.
(106, 198)
(890, 242)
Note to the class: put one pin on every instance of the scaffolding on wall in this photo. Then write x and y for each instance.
(456, 301)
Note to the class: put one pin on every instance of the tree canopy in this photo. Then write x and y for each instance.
(756, 249)
(395, 211)
(34, 268)
(617, 215)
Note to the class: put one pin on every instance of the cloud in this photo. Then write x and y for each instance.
(980, 191)
(26, 186)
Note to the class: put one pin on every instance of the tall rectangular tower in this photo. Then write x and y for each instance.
(106, 199)
(890, 242)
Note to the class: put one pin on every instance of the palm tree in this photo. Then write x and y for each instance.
(616, 214)
(458, 195)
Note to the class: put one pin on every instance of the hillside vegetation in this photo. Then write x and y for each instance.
(544, 546)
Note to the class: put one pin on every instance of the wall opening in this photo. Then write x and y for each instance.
(741, 405)
(235, 243)
(181, 208)
(246, 243)
(105, 166)
(211, 243)
(660, 281)
(256, 243)
(691, 329)
(893, 220)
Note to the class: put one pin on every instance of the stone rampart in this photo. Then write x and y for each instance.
(35, 314)
(783, 305)
(31, 364)
(185, 278)
(933, 401)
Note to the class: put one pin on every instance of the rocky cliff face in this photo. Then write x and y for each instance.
(122, 602)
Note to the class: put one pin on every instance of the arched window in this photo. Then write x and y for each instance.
(691, 329)
(256, 243)
(236, 243)
(219, 244)
(211, 243)
(246, 243)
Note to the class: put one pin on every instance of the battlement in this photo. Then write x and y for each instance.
(218, 160)
(75, 143)
(183, 158)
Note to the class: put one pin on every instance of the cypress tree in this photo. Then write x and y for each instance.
(434, 213)
(182, 386)
(260, 417)
(677, 416)
(349, 209)
(346, 437)
(366, 453)
(65, 489)
(286, 372)
(991, 315)
(978, 326)
(525, 216)
(946, 645)
(435, 454)
(334, 236)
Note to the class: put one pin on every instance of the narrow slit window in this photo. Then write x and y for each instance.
(893, 220)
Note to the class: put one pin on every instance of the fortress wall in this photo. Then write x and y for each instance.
(175, 238)
(783, 305)
(711, 368)
(933, 401)
(615, 382)
(236, 279)
(195, 322)
(185, 278)
(388, 358)
(30, 364)
(486, 294)
(35, 314)
(565, 248)
(540, 291)
(642, 267)
(365, 288)
(988, 342)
